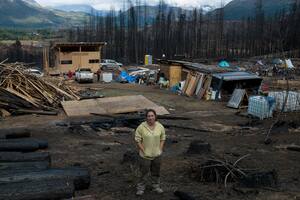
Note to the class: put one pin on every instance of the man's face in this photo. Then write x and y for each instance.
(151, 118)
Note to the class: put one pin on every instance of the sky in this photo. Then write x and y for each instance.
(117, 4)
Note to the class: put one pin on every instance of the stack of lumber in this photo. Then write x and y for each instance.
(197, 84)
(22, 92)
(26, 173)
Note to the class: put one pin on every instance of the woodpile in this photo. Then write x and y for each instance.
(26, 173)
(23, 92)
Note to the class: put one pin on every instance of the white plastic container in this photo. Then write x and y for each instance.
(260, 107)
(292, 103)
(107, 77)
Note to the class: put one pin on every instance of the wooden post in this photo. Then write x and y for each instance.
(59, 62)
(46, 60)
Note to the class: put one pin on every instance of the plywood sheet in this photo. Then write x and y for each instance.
(111, 105)
(192, 85)
(200, 83)
(82, 108)
(206, 86)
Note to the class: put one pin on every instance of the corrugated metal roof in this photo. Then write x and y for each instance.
(235, 76)
(207, 69)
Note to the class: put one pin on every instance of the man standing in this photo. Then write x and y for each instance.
(98, 74)
(150, 138)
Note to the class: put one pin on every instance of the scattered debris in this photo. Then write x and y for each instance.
(219, 171)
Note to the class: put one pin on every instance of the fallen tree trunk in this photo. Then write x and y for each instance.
(24, 165)
(37, 190)
(43, 144)
(19, 145)
(24, 157)
(293, 148)
(79, 176)
(18, 171)
(12, 133)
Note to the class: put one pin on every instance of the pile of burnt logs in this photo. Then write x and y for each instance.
(24, 93)
(109, 122)
(26, 173)
(224, 171)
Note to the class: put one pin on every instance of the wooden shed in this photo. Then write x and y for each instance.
(75, 55)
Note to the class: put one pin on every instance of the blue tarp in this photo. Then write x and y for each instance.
(125, 77)
(224, 64)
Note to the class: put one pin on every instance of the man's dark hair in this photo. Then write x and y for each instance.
(153, 111)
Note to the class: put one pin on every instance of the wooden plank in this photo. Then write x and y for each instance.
(198, 76)
(30, 100)
(186, 83)
(200, 84)
(111, 105)
(59, 90)
(205, 87)
(192, 85)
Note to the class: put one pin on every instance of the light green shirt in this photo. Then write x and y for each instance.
(150, 139)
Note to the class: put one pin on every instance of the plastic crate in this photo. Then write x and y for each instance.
(261, 107)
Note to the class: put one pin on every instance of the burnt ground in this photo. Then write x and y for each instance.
(231, 136)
